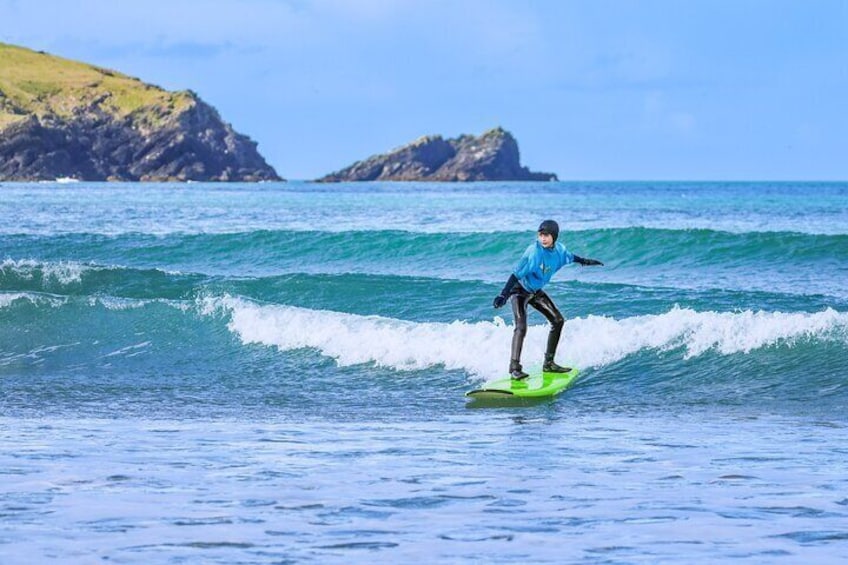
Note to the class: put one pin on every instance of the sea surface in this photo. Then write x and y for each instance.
(275, 373)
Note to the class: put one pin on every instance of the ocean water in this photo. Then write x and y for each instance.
(275, 373)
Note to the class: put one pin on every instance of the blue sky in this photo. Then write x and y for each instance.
(592, 90)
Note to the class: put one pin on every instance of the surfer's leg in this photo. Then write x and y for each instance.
(543, 303)
(519, 312)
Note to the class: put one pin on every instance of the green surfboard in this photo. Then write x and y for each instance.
(537, 385)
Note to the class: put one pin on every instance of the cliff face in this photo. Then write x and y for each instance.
(61, 118)
(492, 156)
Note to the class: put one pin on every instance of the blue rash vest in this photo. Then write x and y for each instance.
(537, 265)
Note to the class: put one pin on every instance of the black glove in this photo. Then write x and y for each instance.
(499, 300)
(587, 262)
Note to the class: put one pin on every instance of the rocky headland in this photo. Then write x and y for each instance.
(66, 119)
(492, 156)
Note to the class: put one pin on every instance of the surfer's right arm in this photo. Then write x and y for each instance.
(521, 269)
(501, 299)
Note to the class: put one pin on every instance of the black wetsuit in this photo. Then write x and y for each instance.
(541, 302)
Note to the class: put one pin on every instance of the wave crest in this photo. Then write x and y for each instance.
(482, 348)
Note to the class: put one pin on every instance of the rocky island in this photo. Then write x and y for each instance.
(67, 119)
(492, 156)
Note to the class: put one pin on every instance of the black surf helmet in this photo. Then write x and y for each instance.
(550, 227)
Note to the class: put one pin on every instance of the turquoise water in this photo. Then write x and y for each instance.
(275, 373)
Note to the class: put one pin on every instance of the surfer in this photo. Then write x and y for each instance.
(540, 261)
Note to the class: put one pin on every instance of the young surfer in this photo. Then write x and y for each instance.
(540, 261)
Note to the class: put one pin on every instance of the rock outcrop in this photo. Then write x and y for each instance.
(492, 156)
(61, 118)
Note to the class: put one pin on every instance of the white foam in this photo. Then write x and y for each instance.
(9, 298)
(129, 351)
(6, 299)
(482, 348)
(63, 272)
(111, 303)
(601, 340)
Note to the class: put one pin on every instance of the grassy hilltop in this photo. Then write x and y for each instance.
(36, 83)
(61, 118)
